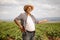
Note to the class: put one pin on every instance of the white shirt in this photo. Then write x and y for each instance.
(30, 26)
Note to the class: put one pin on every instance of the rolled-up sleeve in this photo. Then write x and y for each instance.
(36, 21)
(19, 17)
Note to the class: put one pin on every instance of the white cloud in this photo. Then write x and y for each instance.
(41, 10)
(8, 1)
(47, 6)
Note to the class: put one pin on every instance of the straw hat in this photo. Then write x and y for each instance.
(26, 6)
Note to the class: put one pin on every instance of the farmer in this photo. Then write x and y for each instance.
(26, 22)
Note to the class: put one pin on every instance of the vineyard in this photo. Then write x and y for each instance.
(46, 31)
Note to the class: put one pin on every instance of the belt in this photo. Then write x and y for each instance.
(31, 31)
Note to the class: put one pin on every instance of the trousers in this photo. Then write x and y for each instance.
(28, 35)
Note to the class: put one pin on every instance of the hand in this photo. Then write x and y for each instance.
(45, 20)
(22, 29)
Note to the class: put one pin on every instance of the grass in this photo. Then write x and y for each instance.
(43, 31)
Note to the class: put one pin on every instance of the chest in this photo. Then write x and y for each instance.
(29, 18)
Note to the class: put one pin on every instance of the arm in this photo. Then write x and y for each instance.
(42, 21)
(19, 24)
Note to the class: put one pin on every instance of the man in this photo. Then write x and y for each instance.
(27, 23)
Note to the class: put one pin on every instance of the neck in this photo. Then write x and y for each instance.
(28, 14)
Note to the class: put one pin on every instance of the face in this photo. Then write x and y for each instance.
(28, 9)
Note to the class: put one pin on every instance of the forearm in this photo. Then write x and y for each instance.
(18, 23)
(43, 21)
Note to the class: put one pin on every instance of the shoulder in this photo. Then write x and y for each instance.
(32, 15)
(21, 14)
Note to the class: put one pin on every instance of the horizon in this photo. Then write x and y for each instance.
(48, 18)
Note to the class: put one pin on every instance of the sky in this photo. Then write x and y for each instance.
(9, 9)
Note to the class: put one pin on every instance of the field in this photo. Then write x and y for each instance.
(46, 31)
